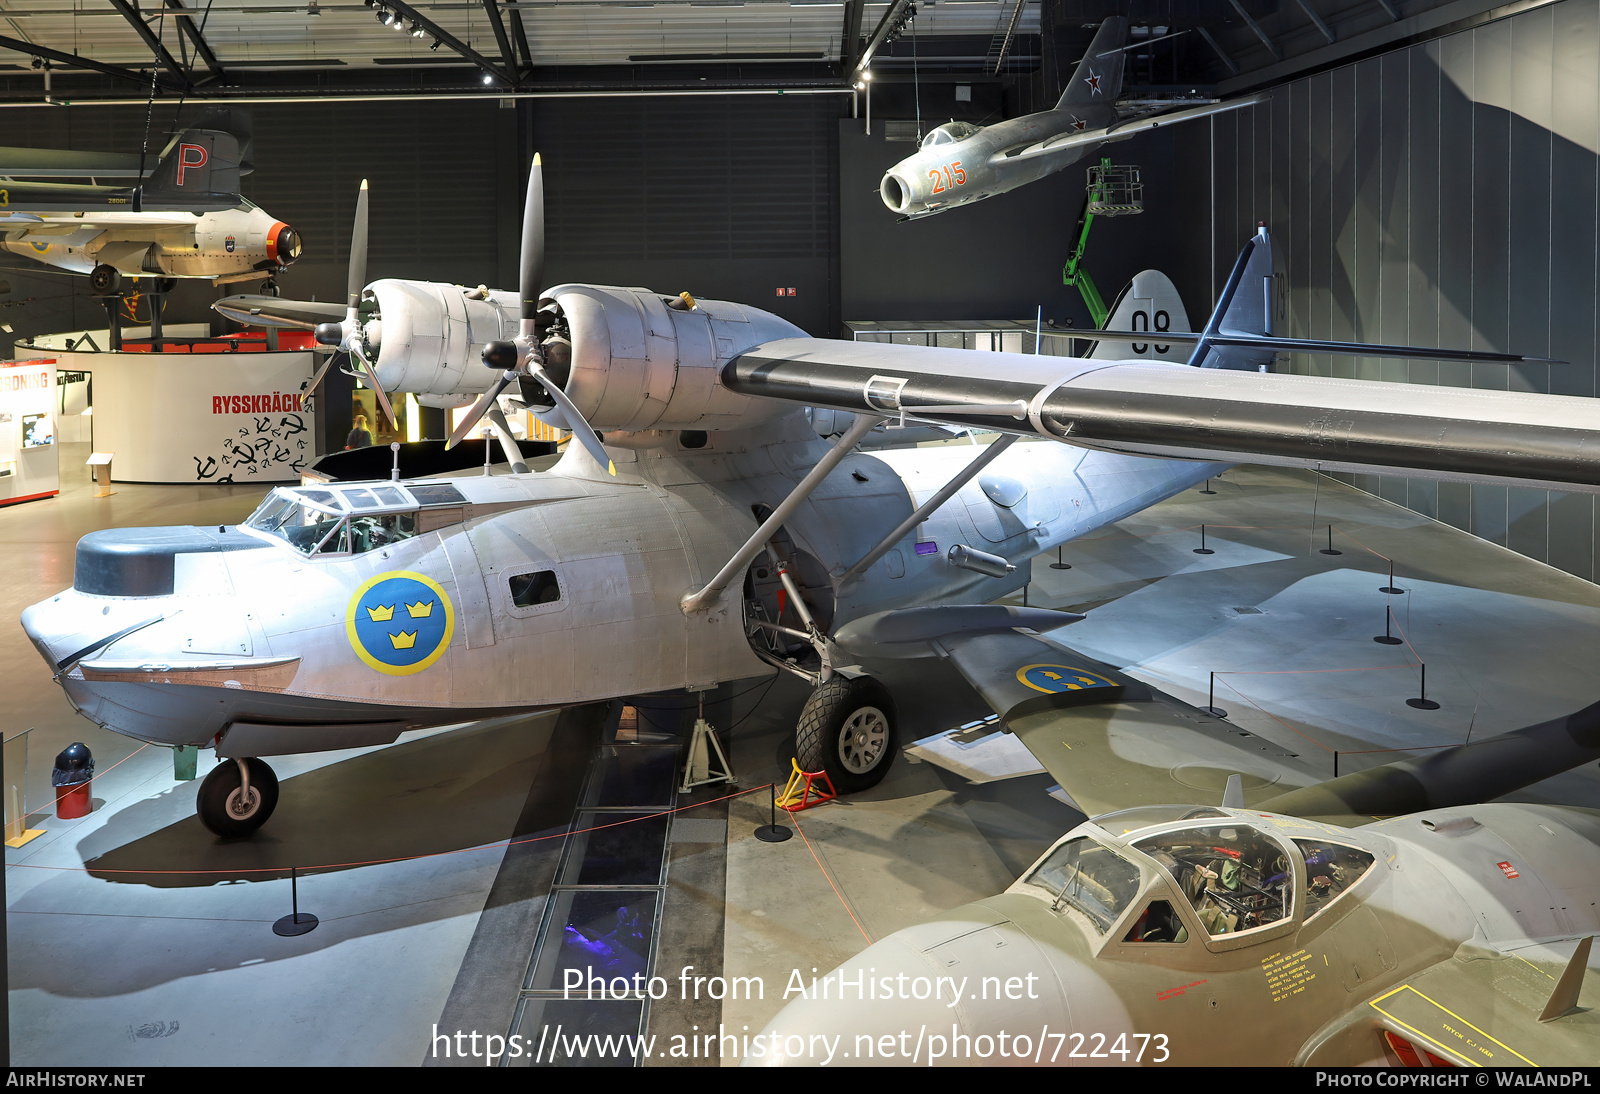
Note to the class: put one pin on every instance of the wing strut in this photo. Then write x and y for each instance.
(926, 509)
(697, 601)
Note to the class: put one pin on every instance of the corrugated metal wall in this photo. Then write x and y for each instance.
(1443, 194)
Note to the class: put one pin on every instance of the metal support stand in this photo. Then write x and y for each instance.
(1422, 702)
(1328, 550)
(1203, 549)
(1058, 564)
(155, 299)
(1386, 638)
(773, 832)
(297, 922)
(1208, 489)
(1211, 702)
(113, 306)
(1025, 593)
(1390, 588)
(699, 771)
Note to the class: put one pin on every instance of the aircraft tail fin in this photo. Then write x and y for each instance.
(1149, 302)
(1243, 311)
(1098, 78)
(199, 172)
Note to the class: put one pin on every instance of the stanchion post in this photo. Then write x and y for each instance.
(1422, 702)
(1058, 564)
(773, 832)
(296, 922)
(1386, 638)
(1390, 588)
(1203, 549)
(1328, 550)
(1211, 700)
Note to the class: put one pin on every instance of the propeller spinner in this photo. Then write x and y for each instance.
(524, 357)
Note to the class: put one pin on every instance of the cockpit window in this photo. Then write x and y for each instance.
(949, 133)
(1236, 878)
(312, 521)
(1158, 923)
(1091, 878)
(1331, 868)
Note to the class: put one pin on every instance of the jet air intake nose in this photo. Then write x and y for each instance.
(894, 193)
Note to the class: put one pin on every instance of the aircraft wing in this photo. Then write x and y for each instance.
(1111, 741)
(1174, 411)
(64, 163)
(271, 311)
(1483, 1007)
(1121, 131)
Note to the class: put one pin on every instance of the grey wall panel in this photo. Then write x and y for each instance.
(1342, 212)
(1532, 49)
(1319, 219)
(1394, 239)
(1366, 224)
(1489, 513)
(1455, 212)
(1299, 180)
(1421, 212)
(1232, 186)
(1455, 504)
(1491, 180)
(1572, 534)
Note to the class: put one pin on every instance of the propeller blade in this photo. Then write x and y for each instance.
(581, 429)
(328, 362)
(358, 250)
(533, 242)
(479, 409)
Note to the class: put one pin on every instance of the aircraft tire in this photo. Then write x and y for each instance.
(847, 728)
(218, 801)
(104, 280)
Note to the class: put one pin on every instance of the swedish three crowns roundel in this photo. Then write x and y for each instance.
(399, 622)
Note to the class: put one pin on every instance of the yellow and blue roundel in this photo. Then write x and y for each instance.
(399, 622)
(1054, 678)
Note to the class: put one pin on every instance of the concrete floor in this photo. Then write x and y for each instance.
(143, 968)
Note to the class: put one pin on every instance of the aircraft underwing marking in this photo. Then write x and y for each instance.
(399, 642)
(1051, 679)
(1448, 1035)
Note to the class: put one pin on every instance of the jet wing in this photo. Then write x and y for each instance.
(1178, 412)
(64, 163)
(1121, 131)
(1483, 1008)
(1111, 741)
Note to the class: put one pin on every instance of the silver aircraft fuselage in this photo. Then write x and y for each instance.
(242, 628)
(943, 176)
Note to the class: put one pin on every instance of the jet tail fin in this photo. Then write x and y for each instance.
(199, 172)
(1148, 303)
(1098, 78)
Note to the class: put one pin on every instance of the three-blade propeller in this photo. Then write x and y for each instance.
(346, 336)
(524, 357)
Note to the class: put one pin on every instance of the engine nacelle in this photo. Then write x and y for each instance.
(643, 361)
(428, 337)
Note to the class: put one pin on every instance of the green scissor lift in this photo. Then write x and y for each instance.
(1114, 190)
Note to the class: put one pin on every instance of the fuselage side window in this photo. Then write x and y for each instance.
(1236, 878)
(536, 588)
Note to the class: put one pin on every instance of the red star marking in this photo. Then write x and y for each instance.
(1079, 123)
(1093, 82)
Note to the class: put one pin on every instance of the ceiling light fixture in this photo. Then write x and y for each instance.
(488, 78)
(417, 31)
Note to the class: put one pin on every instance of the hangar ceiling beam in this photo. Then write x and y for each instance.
(192, 32)
(508, 56)
(850, 40)
(1388, 6)
(1316, 19)
(1221, 53)
(891, 21)
(447, 38)
(519, 34)
(131, 14)
(74, 61)
(1272, 47)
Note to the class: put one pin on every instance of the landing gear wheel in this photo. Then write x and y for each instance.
(847, 729)
(104, 280)
(230, 813)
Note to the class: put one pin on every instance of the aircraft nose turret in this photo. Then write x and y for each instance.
(970, 988)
